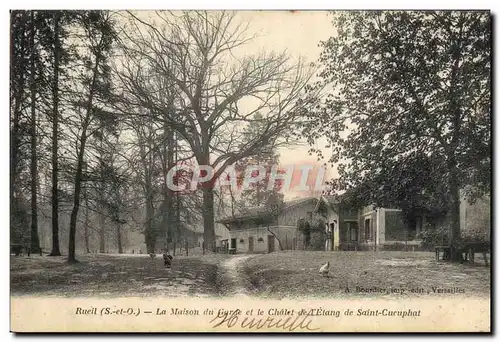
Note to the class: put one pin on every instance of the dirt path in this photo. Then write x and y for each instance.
(233, 283)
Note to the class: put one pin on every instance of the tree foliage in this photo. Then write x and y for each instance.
(409, 110)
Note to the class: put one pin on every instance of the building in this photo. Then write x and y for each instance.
(371, 228)
(259, 231)
(341, 227)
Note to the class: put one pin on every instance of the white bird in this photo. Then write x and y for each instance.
(324, 269)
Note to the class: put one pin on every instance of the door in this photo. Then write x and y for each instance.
(270, 243)
(233, 244)
(334, 239)
(250, 244)
(353, 231)
(368, 235)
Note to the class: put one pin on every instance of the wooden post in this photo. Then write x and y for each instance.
(187, 251)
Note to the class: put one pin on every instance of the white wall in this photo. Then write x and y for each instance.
(284, 233)
(285, 230)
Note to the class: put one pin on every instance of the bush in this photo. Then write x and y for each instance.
(317, 241)
(440, 236)
(434, 237)
(313, 232)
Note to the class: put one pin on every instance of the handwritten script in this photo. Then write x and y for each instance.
(286, 323)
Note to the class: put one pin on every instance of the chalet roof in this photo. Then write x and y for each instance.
(263, 212)
(331, 199)
(220, 230)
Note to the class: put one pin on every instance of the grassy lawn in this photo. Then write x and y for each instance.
(114, 275)
(295, 274)
(277, 275)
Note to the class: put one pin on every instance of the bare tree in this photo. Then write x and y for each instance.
(90, 108)
(20, 51)
(55, 139)
(34, 239)
(217, 93)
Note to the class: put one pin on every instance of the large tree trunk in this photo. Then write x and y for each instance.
(18, 97)
(119, 238)
(178, 215)
(86, 231)
(19, 216)
(177, 197)
(34, 241)
(150, 231)
(55, 127)
(76, 201)
(454, 183)
(455, 211)
(79, 168)
(102, 233)
(168, 216)
(86, 224)
(102, 219)
(208, 217)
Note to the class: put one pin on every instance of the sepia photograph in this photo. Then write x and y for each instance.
(250, 171)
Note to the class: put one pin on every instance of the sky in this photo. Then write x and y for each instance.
(299, 33)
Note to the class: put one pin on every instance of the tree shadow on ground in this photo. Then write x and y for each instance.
(103, 275)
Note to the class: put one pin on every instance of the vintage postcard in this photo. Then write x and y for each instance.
(250, 171)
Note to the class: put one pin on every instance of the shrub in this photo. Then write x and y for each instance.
(441, 236)
(433, 237)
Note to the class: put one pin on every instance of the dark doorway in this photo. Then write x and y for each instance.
(233, 244)
(368, 231)
(270, 243)
(250, 244)
(332, 235)
(352, 229)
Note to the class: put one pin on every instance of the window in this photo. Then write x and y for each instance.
(414, 226)
(368, 234)
(309, 215)
(354, 234)
(352, 231)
